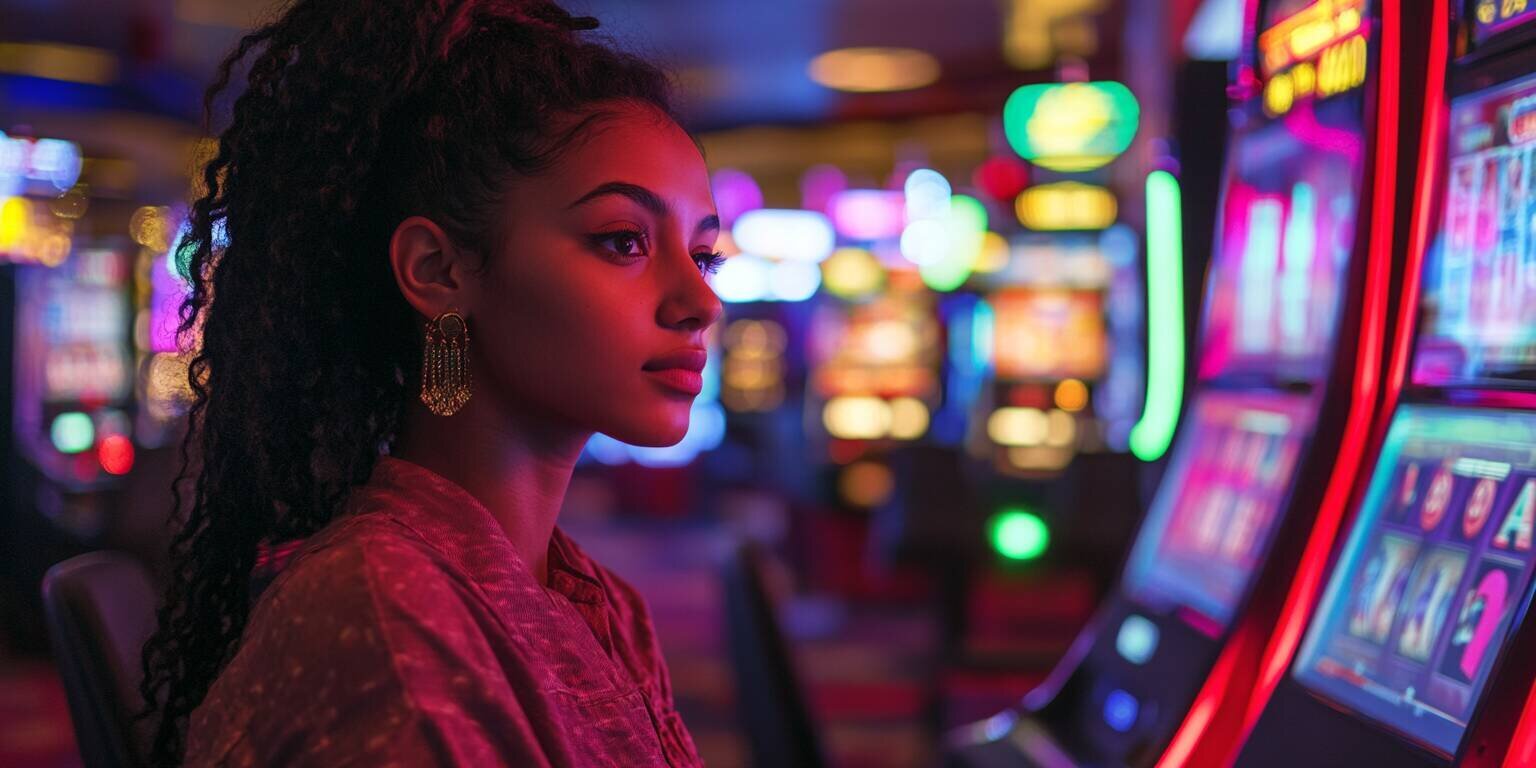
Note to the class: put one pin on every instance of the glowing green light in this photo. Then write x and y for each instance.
(1165, 319)
(967, 231)
(1071, 127)
(1019, 535)
(72, 432)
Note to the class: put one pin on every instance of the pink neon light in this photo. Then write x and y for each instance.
(869, 214)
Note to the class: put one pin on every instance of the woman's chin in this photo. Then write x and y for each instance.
(651, 433)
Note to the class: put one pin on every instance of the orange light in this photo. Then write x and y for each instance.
(116, 454)
(1303, 34)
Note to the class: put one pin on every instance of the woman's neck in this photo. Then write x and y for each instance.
(518, 467)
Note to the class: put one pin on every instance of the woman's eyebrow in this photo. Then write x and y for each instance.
(642, 196)
(709, 223)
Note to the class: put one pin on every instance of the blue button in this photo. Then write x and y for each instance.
(1120, 710)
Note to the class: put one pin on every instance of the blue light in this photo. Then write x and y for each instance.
(981, 335)
(1120, 710)
(1137, 639)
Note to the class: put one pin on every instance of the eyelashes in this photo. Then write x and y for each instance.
(627, 245)
(709, 263)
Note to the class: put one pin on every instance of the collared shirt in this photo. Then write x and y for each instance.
(408, 632)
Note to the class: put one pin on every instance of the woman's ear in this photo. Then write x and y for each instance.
(433, 275)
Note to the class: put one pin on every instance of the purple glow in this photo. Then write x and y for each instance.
(735, 193)
(868, 214)
(819, 185)
(166, 295)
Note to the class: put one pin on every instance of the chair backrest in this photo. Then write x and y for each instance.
(100, 609)
(772, 708)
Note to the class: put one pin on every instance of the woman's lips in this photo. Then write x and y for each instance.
(687, 382)
(680, 369)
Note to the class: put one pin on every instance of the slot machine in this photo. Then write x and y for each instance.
(1418, 650)
(1286, 360)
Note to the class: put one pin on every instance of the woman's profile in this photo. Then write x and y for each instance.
(455, 239)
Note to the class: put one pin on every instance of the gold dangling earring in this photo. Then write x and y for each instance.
(445, 364)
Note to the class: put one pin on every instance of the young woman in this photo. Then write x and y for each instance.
(457, 238)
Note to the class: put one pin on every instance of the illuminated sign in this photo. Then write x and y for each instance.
(1522, 120)
(1491, 17)
(37, 166)
(1071, 127)
(1066, 205)
(31, 233)
(1318, 52)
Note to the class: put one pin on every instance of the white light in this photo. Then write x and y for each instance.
(793, 235)
(928, 195)
(742, 278)
(793, 280)
(925, 241)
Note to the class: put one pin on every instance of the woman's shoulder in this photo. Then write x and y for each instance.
(329, 635)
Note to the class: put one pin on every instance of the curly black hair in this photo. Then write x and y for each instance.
(355, 115)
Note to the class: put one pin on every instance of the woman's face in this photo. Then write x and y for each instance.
(593, 312)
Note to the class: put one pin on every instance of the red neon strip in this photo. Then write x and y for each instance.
(1522, 745)
(1301, 600)
(1314, 560)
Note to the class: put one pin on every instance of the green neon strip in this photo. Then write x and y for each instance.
(1165, 319)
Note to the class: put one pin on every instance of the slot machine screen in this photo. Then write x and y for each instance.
(1213, 515)
(1490, 17)
(1048, 333)
(1478, 322)
(1287, 229)
(1437, 564)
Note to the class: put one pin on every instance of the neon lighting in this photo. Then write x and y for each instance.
(15, 212)
(742, 278)
(1260, 256)
(1137, 639)
(965, 240)
(983, 320)
(1303, 34)
(868, 214)
(925, 241)
(783, 233)
(857, 417)
(818, 186)
(1066, 205)
(793, 280)
(1071, 127)
(1299, 250)
(909, 418)
(1215, 33)
(38, 166)
(927, 194)
(1165, 319)
(1019, 534)
(72, 432)
(852, 273)
(1001, 177)
(1120, 710)
(871, 70)
(115, 454)
(56, 61)
(1013, 426)
(736, 192)
(1071, 395)
(1300, 600)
